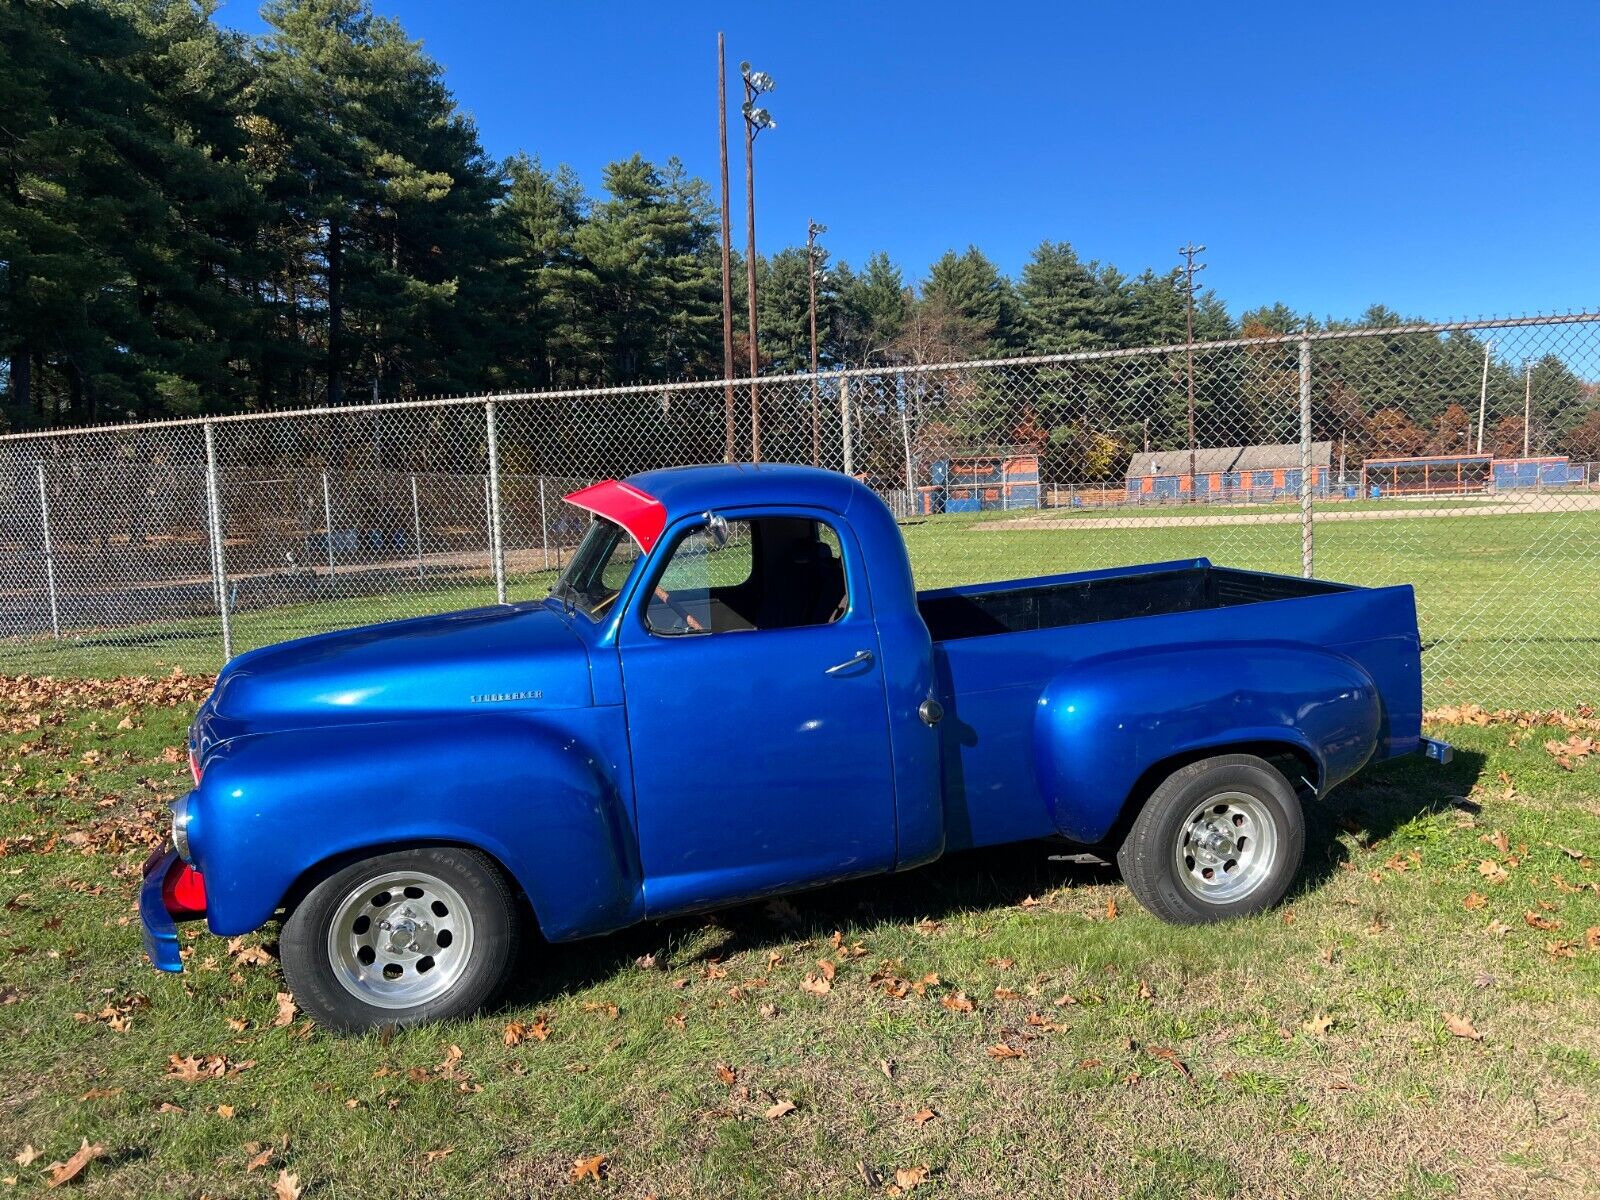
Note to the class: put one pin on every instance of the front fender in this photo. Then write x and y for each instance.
(1105, 722)
(536, 791)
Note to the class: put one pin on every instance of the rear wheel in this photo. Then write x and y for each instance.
(1219, 838)
(402, 938)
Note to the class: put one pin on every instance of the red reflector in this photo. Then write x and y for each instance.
(194, 765)
(183, 891)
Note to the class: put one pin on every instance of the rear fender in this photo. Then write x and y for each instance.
(1101, 725)
(273, 807)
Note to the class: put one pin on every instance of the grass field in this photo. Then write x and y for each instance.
(1506, 602)
(996, 1025)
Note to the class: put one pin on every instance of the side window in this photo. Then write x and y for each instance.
(738, 576)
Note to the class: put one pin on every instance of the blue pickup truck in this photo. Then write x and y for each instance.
(735, 690)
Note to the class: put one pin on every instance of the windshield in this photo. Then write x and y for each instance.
(595, 576)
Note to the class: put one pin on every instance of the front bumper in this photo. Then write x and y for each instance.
(159, 928)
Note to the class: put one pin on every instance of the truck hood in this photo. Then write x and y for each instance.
(501, 658)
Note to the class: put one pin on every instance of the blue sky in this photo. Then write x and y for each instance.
(1440, 158)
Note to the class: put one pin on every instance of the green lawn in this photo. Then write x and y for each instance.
(1506, 602)
(1307, 1052)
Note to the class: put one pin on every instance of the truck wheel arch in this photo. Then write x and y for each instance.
(320, 870)
(1110, 728)
(1297, 764)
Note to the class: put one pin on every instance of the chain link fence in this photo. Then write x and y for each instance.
(1455, 457)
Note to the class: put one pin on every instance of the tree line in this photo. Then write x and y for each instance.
(193, 221)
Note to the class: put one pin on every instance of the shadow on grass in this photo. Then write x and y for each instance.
(1373, 806)
(1379, 801)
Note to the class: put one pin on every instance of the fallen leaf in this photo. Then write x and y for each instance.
(1474, 900)
(1002, 1051)
(1318, 1025)
(923, 1115)
(433, 1156)
(593, 1167)
(63, 1172)
(817, 987)
(26, 1155)
(1111, 909)
(1535, 921)
(514, 1033)
(781, 1109)
(828, 969)
(286, 1010)
(957, 1002)
(1461, 1027)
(906, 1178)
(887, 1066)
(225, 1111)
(727, 1074)
(1492, 871)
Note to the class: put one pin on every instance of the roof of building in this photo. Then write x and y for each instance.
(1227, 458)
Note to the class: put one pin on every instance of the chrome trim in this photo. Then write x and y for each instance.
(1440, 752)
(180, 828)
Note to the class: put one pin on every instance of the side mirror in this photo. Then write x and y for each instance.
(716, 531)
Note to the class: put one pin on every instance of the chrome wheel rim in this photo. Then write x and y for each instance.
(1226, 848)
(400, 939)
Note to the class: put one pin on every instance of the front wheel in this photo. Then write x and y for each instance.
(401, 938)
(1219, 838)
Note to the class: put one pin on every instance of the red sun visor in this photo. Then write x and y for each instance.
(638, 512)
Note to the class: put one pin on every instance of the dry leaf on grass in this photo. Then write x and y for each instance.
(923, 1115)
(906, 1178)
(432, 1156)
(817, 987)
(957, 1002)
(1318, 1025)
(1474, 900)
(727, 1074)
(1111, 909)
(593, 1167)
(26, 1155)
(1000, 1050)
(286, 1010)
(781, 1109)
(1461, 1027)
(63, 1172)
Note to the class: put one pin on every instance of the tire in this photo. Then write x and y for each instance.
(401, 938)
(1223, 837)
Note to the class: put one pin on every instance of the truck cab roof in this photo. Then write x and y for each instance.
(684, 491)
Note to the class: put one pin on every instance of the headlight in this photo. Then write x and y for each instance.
(180, 828)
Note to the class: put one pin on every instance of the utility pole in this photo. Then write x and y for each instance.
(756, 119)
(1189, 268)
(1527, 404)
(1483, 390)
(727, 258)
(812, 229)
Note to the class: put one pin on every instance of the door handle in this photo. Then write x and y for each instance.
(861, 656)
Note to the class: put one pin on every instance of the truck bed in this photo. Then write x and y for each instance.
(1157, 590)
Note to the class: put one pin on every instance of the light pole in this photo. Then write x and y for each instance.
(812, 229)
(727, 255)
(756, 83)
(1189, 269)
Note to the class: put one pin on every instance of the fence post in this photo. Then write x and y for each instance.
(544, 525)
(496, 546)
(844, 421)
(219, 564)
(1308, 533)
(49, 556)
(416, 524)
(327, 524)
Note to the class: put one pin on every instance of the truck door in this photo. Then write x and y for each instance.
(756, 712)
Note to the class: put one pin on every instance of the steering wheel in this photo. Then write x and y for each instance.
(687, 620)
